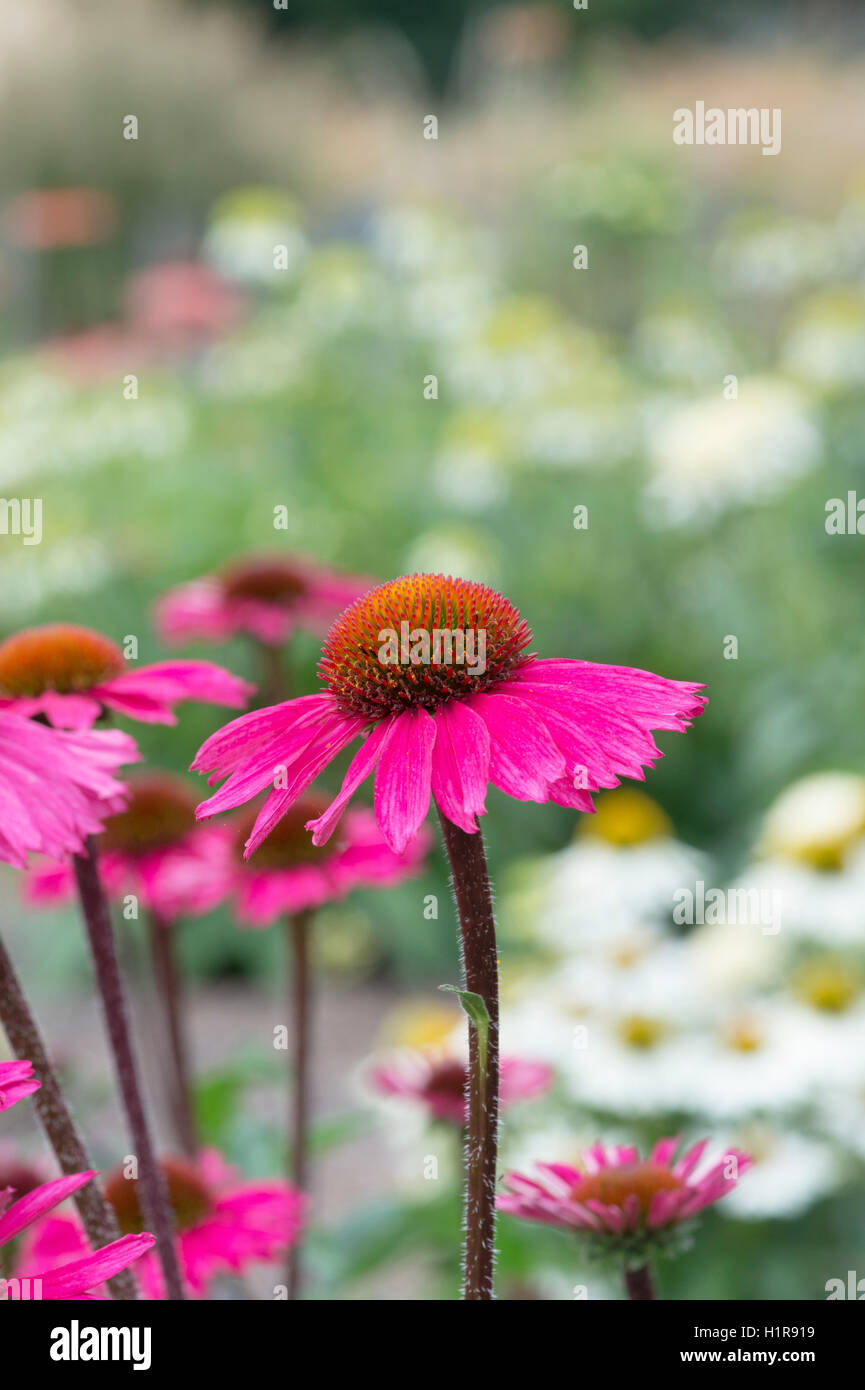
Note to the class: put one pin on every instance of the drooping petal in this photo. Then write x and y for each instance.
(403, 777)
(16, 1083)
(21, 1214)
(523, 756)
(72, 1280)
(360, 767)
(228, 749)
(461, 764)
(328, 741)
(151, 692)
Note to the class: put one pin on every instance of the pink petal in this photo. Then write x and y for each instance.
(328, 741)
(461, 764)
(523, 757)
(360, 767)
(72, 1280)
(29, 1208)
(403, 777)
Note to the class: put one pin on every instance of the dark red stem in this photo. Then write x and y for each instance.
(169, 987)
(154, 1197)
(297, 931)
(22, 1030)
(638, 1284)
(481, 976)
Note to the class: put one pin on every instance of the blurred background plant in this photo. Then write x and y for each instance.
(284, 401)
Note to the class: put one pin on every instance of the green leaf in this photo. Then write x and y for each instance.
(476, 1009)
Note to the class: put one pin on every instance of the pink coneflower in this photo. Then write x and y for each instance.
(71, 675)
(155, 851)
(16, 1082)
(623, 1203)
(439, 1082)
(56, 788)
(77, 1278)
(182, 304)
(224, 1224)
(552, 730)
(435, 672)
(267, 597)
(95, 354)
(289, 874)
(152, 848)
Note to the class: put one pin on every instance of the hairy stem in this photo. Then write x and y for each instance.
(154, 1197)
(481, 976)
(638, 1284)
(274, 684)
(297, 931)
(25, 1039)
(169, 987)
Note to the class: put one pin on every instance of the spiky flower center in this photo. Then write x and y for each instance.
(289, 843)
(275, 581)
(625, 818)
(189, 1197)
(613, 1186)
(59, 657)
(160, 813)
(420, 641)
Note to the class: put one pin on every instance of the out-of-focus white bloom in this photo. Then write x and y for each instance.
(771, 254)
(268, 359)
(813, 837)
(418, 238)
(827, 907)
(715, 453)
(248, 226)
(753, 1061)
(841, 1116)
(463, 550)
(538, 1024)
(469, 471)
(624, 976)
(340, 289)
(825, 344)
(48, 426)
(515, 355)
(623, 868)
(679, 345)
(624, 1065)
(576, 436)
(791, 1172)
(593, 886)
(816, 820)
(446, 306)
(736, 960)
